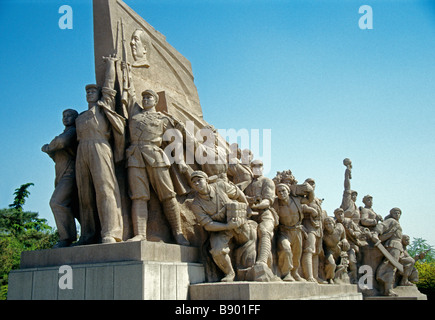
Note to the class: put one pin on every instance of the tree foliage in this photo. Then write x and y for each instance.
(20, 231)
(420, 247)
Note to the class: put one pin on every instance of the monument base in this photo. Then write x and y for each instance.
(241, 290)
(129, 270)
(403, 293)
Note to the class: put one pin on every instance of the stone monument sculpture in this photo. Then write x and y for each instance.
(229, 222)
(63, 149)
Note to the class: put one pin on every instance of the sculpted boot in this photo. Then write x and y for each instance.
(139, 217)
(172, 213)
(223, 261)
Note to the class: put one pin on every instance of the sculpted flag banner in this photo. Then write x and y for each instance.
(154, 63)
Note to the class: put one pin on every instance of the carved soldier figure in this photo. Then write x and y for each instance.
(290, 209)
(98, 189)
(260, 194)
(389, 232)
(213, 207)
(334, 243)
(63, 149)
(148, 165)
(349, 196)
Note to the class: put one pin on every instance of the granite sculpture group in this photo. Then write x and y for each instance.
(122, 173)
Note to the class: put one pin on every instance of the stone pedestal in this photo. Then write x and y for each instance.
(403, 293)
(273, 291)
(129, 270)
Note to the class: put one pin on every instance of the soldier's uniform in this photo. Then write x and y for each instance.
(147, 162)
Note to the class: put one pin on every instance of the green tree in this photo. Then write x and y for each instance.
(424, 254)
(20, 231)
(420, 247)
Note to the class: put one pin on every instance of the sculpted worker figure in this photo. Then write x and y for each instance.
(290, 209)
(214, 207)
(148, 165)
(99, 197)
(260, 194)
(63, 149)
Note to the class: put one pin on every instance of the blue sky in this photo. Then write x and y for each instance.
(304, 69)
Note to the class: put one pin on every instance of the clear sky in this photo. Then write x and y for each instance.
(325, 88)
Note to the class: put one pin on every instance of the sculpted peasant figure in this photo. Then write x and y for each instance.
(291, 209)
(63, 149)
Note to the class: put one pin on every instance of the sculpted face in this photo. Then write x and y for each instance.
(282, 193)
(368, 202)
(329, 225)
(69, 117)
(339, 214)
(148, 101)
(200, 185)
(92, 95)
(396, 213)
(353, 196)
(138, 48)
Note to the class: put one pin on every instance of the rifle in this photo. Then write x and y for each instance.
(126, 76)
